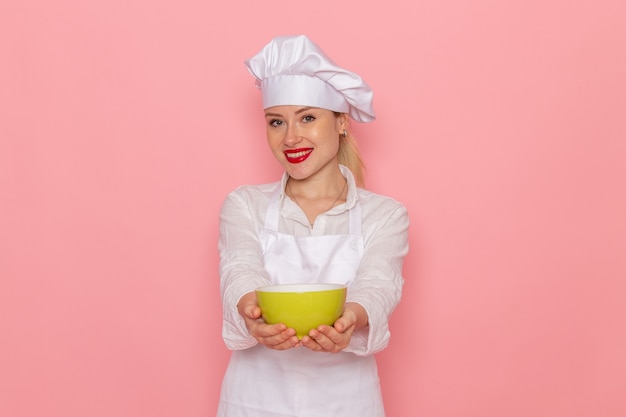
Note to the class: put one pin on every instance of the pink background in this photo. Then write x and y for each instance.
(501, 126)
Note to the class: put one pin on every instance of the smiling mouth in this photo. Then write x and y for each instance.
(297, 155)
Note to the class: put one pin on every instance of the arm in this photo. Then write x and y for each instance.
(374, 293)
(241, 272)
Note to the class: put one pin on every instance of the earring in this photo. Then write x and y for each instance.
(344, 133)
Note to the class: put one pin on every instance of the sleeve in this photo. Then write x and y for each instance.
(241, 266)
(378, 283)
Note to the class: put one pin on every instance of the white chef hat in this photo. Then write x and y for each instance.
(292, 70)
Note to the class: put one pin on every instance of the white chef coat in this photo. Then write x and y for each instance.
(377, 286)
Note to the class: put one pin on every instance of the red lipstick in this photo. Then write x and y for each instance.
(295, 156)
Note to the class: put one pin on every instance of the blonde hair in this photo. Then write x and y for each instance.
(348, 155)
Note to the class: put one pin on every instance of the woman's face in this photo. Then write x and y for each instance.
(305, 140)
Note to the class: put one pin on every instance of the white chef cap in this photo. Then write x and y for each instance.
(292, 70)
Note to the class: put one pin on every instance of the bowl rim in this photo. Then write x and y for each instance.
(301, 288)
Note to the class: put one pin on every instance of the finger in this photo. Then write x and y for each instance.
(310, 343)
(271, 330)
(329, 331)
(340, 326)
(324, 338)
(287, 344)
(344, 322)
(284, 340)
(274, 334)
(340, 340)
(253, 311)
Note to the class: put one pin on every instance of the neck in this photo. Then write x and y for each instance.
(312, 207)
(318, 186)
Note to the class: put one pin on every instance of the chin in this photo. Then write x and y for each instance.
(296, 173)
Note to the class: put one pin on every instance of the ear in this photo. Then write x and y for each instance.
(342, 122)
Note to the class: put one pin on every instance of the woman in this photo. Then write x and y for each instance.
(315, 225)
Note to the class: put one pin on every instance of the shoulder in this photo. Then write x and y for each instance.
(377, 202)
(247, 203)
(250, 196)
(383, 217)
(254, 191)
(381, 211)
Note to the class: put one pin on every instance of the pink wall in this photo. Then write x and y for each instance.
(502, 127)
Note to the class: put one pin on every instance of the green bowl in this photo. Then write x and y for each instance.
(301, 306)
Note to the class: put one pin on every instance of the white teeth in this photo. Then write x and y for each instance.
(297, 154)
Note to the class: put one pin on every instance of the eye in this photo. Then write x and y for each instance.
(275, 122)
(308, 118)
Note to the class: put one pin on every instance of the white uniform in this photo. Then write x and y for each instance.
(261, 382)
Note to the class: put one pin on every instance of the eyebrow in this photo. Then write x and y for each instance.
(302, 110)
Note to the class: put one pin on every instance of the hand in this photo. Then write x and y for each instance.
(273, 336)
(337, 337)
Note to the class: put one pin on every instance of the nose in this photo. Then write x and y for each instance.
(291, 135)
